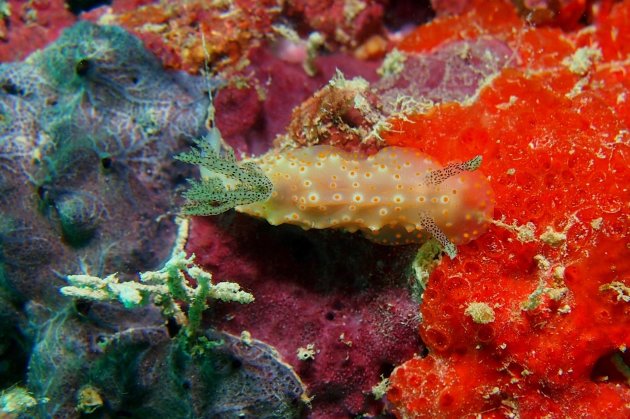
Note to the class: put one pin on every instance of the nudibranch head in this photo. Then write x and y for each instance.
(396, 196)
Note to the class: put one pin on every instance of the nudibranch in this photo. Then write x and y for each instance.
(396, 196)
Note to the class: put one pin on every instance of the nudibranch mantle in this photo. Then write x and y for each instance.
(396, 196)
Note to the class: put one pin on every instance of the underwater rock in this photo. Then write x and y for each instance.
(251, 123)
(136, 369)
(69, 352)
(247, 378)
(352, 113)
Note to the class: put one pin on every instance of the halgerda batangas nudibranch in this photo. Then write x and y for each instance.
(396, 196)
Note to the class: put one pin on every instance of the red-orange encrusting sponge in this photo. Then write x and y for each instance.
(532, 319)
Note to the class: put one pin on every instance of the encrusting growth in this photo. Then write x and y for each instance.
(168, 287)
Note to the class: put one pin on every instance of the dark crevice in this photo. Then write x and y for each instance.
(78, 6)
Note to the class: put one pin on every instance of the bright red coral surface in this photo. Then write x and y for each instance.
(552, 275)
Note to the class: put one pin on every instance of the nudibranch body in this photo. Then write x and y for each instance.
(396, 196)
